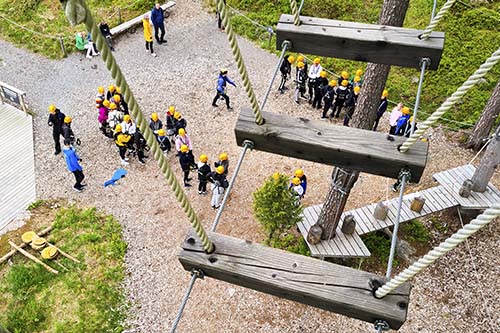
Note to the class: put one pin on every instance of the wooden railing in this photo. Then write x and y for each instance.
(13, 96)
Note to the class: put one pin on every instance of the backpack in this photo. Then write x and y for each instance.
(342, 93)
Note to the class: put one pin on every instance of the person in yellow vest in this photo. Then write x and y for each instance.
(148, 34)
(121, 141)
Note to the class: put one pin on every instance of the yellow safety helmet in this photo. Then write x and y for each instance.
(67, 119)
(291, 59)
(118, 128)
(357, 78)
(184, 148)
(300, 58)
(161, 132)
(105, 103)
(295, 181)
(299, 173)
(111, 87)
(345, 75)
(276, 176)
(411, 119)
(220, 170)
(357, 89)
(405, 110)
(332, 83)
(385, 93)
(171, 108)
(203, 158)
(52, 108)
(100, 90)
(345, 83)
(322, 74)
(359, 72)
(154, 116)
(300, 64)
(117, 98)
(182, 132)
(223, 156)
(177, 115)
(126, 118)
(112, 106)
(317, 61)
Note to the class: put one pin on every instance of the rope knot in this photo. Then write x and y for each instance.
(74, 10)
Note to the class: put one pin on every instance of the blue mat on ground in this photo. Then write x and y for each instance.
(117, 175)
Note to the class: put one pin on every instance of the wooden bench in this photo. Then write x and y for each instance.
(119, 29)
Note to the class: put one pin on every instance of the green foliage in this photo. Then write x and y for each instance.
(87, 297)
(415, 231)
(472, 35)
(379, 246)
(276, 210)
(35, 204)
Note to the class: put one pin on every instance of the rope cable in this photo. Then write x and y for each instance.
(295, 12)
(449, 244)
(425, 61)
(452, 100)
(77, 12)
(195, 274)
(231, 36)
(285, 46)
(436, 19)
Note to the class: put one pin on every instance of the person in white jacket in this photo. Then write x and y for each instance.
(314, 73)
(115, 116)
(128, 126)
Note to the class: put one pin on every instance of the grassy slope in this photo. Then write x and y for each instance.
(47, 17)
(472, 35)
(85, 298)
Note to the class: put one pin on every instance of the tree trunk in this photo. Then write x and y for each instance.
(486, 121)
(393, 13)
(489, 162)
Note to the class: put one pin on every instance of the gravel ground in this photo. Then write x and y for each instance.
(448, 297)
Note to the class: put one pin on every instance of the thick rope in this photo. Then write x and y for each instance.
(231, 36)
(452, 100)
(452, 242)
(436, 19)
(77, 12)
(295, 12)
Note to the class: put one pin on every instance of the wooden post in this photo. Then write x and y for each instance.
(32, 257)
(119, 16)
(488, 164)
(298, 278)
(23, 245)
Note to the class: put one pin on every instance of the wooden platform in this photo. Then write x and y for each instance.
(453, 179)
(360, 41)
(340, 146)
(17, 163)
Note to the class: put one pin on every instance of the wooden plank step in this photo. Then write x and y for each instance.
(360, 41)
(298, 278)
(341, 146)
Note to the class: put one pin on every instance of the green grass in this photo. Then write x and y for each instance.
(85, 298)
(415, 232)
(379, 246)
(472, 35)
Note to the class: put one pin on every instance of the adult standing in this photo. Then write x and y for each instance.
(56, 120)
(222, 81)
(157, 19)
(148, 35)
(381, 108)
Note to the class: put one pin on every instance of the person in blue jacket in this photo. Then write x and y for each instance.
(72, 162)
(157, 19)
(222, 81)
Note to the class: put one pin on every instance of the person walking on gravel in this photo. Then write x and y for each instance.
(222, 82)
(73, 165)
(157, 19)
(148, 34)
(56, 120)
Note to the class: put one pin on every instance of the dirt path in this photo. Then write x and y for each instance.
(183, 74)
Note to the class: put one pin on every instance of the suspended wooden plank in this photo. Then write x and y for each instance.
(360, 41)
(321, 142)
(298, 278)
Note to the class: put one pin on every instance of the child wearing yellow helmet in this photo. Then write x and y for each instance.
(186, 160)
(286, 70)
(219, 185)
(163, 141)
(313, 75)
(319, 88)
(203, 171)
(223, 161)
(350, 104)
(296, 189)
(382, 107)
(155, 123)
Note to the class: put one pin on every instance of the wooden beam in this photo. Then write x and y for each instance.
(23, 245)
(321, 142)
(32, 257)
(360, 41)
(298, 278)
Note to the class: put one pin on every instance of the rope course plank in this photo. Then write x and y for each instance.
(460, 236)
(77, 12)
(231, 36)
(295, 12)
(452, 100)
(436, 19)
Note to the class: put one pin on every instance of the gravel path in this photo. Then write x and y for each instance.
(446, 298)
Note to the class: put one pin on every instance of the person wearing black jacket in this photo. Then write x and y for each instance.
(67, 131)
(103, 26)
(328, 96)
(381, 108)
(319, 84)
(56, 120)
(286, 70)
(186, 160)
(350, 104)
(179, 122)
(203, 171)
(341, 94)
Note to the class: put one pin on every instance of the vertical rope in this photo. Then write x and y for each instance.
(446, 246)
(231, 36)
(77, 12)
(452, 100)
(436, 19)
(295, 12)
